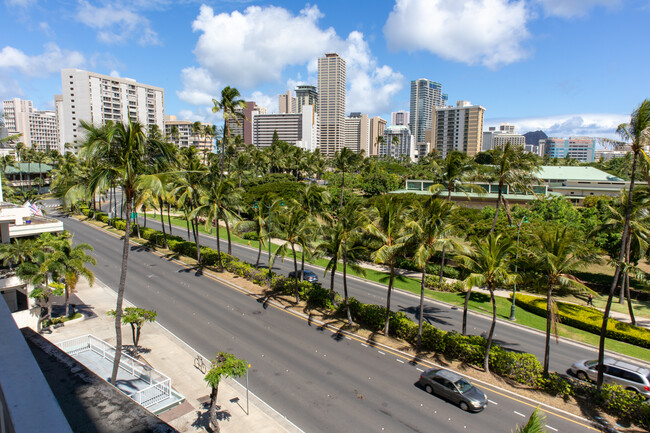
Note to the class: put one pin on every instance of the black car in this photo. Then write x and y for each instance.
(453, 387)
(307, 276)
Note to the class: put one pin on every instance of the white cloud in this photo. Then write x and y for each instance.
(590, 124)
(247, 48)
(9, 88)
(115, 73)
(574, 8)
(117, 23)
(263, 100)
(51, 61)
(489, 32)
(45, 28)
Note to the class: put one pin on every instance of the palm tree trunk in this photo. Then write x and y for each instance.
(295, 268)
(302, 265)
(213, 409)
(617, 275)
(120, 294)
(488, 344)
(219, 246)
(67, 299)
(467, 296)
(496, 214)
(332, 292)
(195, 223)
(228, 234)
(390, 291)
(144, 214)
(169, 218)
(421, 316)
(259, 251)
(630, 308)
(442, 265)
(187, 221)
(162, 224)
(345, 288)
(549, 322)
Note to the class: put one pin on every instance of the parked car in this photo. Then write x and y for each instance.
(453, 387)
(629, 376)
(307, 276)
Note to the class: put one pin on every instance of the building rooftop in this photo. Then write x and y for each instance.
(576, 173)
(25, 167)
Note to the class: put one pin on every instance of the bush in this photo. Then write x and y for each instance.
(433, 282)
(555, 384)
(319, 297)
(119, 224)
(523, 368)
(588, 319)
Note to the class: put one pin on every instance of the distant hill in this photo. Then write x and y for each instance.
(534, 137)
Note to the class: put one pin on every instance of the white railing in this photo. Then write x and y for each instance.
(159, 387)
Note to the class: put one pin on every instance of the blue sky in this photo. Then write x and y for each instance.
(570, 67)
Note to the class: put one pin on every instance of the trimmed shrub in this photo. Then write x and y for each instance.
(319, 297)
(588, 319)
(556, 385)
(433, 282)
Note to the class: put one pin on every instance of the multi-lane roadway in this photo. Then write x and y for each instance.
(321, 380)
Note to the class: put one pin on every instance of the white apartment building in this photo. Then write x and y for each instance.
(39, 128)
(398, 142)
(299, 129)
(331, 103)
(96, 98)
(181, 133)
(495, 139)
(357, 133)
(457, 128)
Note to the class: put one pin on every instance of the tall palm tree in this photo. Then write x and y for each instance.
(257, 225)
(512, 168)
(40, 158)
(558, 253)
(122, 154)
(430, 227)
(344, 161)
(489, 265)
(229, 105)
(388, 217)
(189, 191)
(638, 132)
(350, 225)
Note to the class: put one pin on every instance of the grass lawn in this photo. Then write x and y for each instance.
(478, 302)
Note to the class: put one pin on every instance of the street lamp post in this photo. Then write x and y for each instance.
(524, 219)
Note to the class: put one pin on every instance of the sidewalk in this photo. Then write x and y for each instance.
(175, 359)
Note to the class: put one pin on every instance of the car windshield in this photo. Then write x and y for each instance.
(463, 386)
(590, 364)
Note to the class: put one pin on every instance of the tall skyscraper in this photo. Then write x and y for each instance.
(96, 98)
(357, 133)
(286, 103)
(331, 103)
(306, 95)
(458, 128)
(425, 96)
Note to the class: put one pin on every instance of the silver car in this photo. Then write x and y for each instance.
(453, 387)
(629, 376)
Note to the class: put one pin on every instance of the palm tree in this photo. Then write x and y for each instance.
(122, 154)
(229, 105)
(388, 217)
(344, 161)
(395, 142)
(349, 230)
(189, 192)
(314, 200)
(71, 262)
(488, 263)
(257, 225)
(223, 366)
(535, 423)
(638, 132)
(430, 228)
(295, 227)
(558, 253)
(40, 158)
(512, 168)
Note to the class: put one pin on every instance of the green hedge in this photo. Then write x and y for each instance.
(588, 319)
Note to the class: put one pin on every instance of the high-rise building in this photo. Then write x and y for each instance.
(357, 133)
(399, 118)
(306, 95)
(299, 129)
(182, 134)
(377, 127)
(398, 142)
(494, 139)
(457, 128)
(243, 126)
(331, 103)
(425, 96)
(287, 103)
(39, 128)
(581, 148)
(96, 98)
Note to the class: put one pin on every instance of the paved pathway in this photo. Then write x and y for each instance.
(169, 355)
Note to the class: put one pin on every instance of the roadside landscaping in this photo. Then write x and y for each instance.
(521, 370)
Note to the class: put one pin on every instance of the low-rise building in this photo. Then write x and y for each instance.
(182, 134)
(300, 129)
(581, 148)
(497, 138)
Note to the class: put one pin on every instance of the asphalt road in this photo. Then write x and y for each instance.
(320, 380)
(441, 315)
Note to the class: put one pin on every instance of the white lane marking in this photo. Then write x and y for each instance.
(548, 426)
(348, 338)
(419, 369)
(493, 402)
(520, 414)
(364, 345)
(381, 352)
(399, 360)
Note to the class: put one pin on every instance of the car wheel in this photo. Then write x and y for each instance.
(464, 406)
(582, 376)
(428, 389)
(634, 390)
